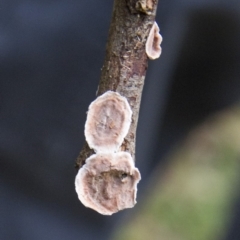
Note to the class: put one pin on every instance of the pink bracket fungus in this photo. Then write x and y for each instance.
(108, 122)
(107, 182)
(153, 48)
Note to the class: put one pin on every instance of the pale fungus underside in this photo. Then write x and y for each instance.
(107, 182)
(108, 122)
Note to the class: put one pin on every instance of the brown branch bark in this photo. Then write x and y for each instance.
(125, 63)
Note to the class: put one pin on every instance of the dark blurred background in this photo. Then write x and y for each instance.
(51, 53)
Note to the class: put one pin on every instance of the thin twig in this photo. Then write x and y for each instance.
(125, 63)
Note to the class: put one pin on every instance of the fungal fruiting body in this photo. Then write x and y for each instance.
(141, 6)
(107, 182)
(145, 6)
(153, 48)
(108, 122)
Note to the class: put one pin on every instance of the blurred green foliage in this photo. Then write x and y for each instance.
(192, 199)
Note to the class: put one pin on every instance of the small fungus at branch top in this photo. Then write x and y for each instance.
(108, 121)
(145, 6)
(153, 48)
(108, 182)
(141, 6)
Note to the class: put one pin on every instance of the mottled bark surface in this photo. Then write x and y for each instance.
(125, 63)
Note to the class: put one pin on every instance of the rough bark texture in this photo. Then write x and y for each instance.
(125, 63)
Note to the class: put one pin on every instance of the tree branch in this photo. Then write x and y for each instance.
(125, 63)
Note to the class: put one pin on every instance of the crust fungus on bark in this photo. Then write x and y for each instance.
(108, 122)
(107, 182)
(153, 48)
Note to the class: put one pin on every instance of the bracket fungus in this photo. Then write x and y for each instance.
(153, 48)
(108, 122)
(107, 182)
